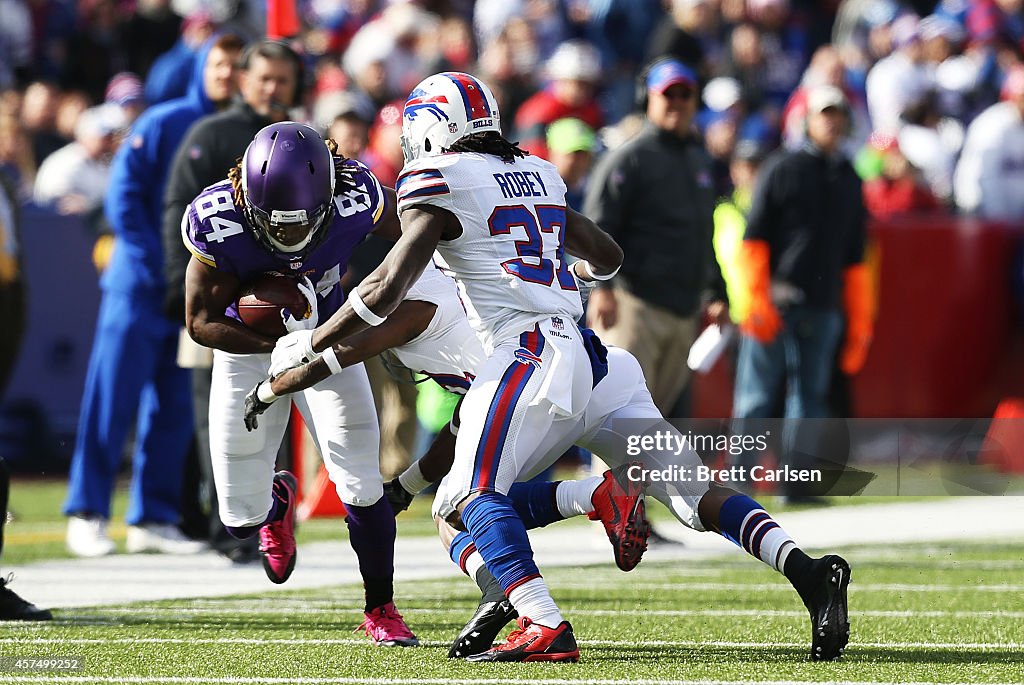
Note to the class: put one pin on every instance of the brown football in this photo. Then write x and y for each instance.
(261, 302)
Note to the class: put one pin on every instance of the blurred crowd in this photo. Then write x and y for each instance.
(936, 90)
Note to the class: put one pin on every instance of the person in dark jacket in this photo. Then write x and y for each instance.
(655, 196)
(803, 260)
(133, 377)
(270, 83)
(12, 312)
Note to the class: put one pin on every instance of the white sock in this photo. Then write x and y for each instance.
(532, 599)
(473, 563)
(573, 496)
(412, 479)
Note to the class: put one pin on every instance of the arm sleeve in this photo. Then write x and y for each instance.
(606, 201)
(967, 178)
(422, 184)
(859, 224)
(132, 211)
(715, 287)
(185, 180)
(764, 213)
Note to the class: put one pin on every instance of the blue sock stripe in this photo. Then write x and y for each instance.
(755, 543)
(501, 539)
(460, 548)
(750, 528)
(732, 515)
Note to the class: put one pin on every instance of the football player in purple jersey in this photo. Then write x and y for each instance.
(291, 207)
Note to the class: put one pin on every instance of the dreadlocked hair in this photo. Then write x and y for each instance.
(489, 143)
(344, 174)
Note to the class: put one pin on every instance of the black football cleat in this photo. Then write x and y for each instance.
(14, 608)
(532, 642)
(825, 599)
(479, 633)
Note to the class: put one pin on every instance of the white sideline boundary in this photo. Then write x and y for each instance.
(123, 578)
(145, 680)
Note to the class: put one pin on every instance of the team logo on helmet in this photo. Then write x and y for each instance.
(443, 109)
(419, 100)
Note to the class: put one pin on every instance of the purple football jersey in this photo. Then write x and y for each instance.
(217, 233)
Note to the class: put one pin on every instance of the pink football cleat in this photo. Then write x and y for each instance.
(386, 627)
(277, 538)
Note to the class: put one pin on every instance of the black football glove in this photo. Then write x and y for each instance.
(254, 406)
(398, 497)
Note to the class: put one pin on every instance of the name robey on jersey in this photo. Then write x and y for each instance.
(510, 270)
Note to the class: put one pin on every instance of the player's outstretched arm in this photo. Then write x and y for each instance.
(382, 291)
(405, 324)
(208, 293)
(584, 239)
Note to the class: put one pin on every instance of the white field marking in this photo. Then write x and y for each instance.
(239, 680)
(28, 640)
(71, 616)
(682, 585)
(780, 587)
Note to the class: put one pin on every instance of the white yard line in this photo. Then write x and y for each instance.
(142, 680)
(244, 609)
(29, 640)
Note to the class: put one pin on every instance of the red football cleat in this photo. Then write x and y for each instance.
(532, 642)
(619, 505)
(277, 538)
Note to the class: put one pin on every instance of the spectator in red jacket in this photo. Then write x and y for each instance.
(899, 189)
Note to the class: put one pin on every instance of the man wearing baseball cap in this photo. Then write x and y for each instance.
(803, 262)
(655, 196)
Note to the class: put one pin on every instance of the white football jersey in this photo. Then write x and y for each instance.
(448, 350)
(509, 262)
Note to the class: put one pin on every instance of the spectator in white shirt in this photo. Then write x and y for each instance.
(989, 180)
(900, 80)
(74, 178)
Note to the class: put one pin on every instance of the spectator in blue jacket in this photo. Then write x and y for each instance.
(169, 77)
(133, 376)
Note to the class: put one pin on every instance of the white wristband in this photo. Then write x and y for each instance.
(412, 479)
(360, 308)
(264, 393)
(331, 358)
(598, 277)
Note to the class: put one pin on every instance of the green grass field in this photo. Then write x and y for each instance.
(922, 614)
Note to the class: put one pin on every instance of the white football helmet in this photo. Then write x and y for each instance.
(445, 108)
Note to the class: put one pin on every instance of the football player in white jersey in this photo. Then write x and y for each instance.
(499, 223)
(429, 333)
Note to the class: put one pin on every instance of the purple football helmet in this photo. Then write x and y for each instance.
(288, 182)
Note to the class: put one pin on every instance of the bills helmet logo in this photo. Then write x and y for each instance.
(419, 101)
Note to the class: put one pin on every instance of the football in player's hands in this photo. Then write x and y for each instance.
(263, 300)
